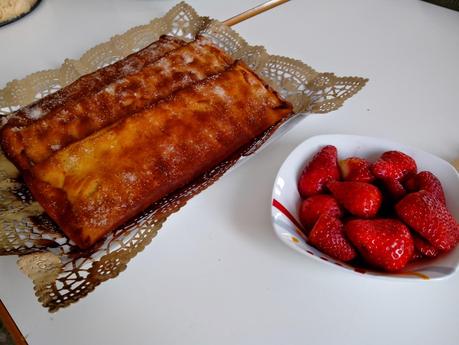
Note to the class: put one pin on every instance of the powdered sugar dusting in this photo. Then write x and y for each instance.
(129, 177)
(187, 58)
(99, 210)
(165, 65)
(110, 89)
(121, 81)
(88, 150)
(169, 149)
(99, 219)
(129, 68)
(55, 147)
(71, 161)
(219, 91)
(33, 113)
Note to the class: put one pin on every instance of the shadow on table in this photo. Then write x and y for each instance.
(451, 4)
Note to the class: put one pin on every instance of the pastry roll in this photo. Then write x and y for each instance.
(92, 186)
(80, 116)
(94, 81)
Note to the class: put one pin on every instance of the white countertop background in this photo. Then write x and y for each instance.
(216, 273)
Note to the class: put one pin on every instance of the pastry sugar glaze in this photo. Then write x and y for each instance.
(94, 185)
(101, 99)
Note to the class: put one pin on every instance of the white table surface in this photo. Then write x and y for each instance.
(216, 273)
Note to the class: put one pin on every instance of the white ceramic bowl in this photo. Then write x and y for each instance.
(286, 199)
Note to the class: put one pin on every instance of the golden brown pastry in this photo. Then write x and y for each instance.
(78, 117)
(92, 186)
(92, 82)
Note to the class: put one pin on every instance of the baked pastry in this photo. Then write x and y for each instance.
(94, 81)
(92, 186)
(103, 97)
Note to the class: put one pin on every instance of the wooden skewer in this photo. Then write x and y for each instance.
(456, 164)
(253, 12)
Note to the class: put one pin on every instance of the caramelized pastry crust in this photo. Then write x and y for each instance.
(94, 185)
(94, 81)
(100, 99)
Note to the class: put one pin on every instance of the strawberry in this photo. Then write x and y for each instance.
(314, 206)
(393, 168)
(328, 236)
(394, 189)
(423, 247)
(387, 205)
(356, 169)
(411, 184)
(394, 165)
(359, 198)
(417, 255)
(321, 169)
(427, 181)
(384, 243)
(426, 215)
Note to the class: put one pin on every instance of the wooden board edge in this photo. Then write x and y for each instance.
(11, 326)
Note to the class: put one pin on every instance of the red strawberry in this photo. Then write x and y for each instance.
(394, 189)
(359, 198)
(314, 206)
(394, 165)
(411, 184)
(321, 169)
(328, 236)
(356, 169)
(423, 247)
(384, 243)
(427, 181)
(417, 255)
(430, 218)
